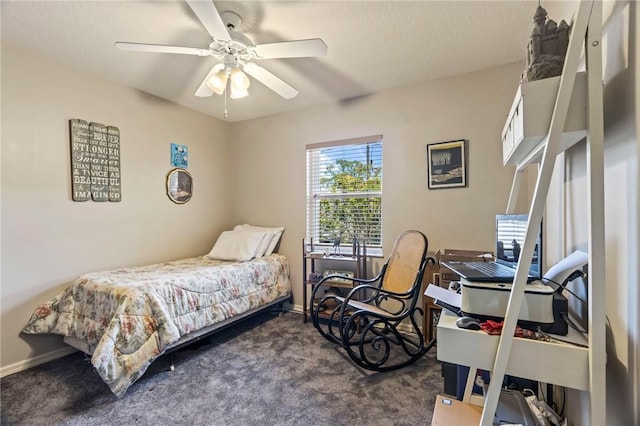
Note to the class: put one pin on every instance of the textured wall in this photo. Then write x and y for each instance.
(48, 239)
(472, 106)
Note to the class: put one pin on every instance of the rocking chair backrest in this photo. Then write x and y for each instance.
(404, 264)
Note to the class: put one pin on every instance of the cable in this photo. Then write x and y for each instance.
(551, 397)
(580, 345)
(572, 324)
(563, 287)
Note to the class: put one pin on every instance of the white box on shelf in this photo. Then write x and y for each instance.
(530, 117)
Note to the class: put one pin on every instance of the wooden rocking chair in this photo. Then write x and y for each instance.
(375, 323)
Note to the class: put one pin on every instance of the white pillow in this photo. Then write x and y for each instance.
(237, 245)
(264, 245)
(274, 241)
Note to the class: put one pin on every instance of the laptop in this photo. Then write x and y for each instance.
(510, 233)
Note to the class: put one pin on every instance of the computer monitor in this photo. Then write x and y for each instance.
(510, 233)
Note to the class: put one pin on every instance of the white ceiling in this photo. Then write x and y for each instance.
(372, 45)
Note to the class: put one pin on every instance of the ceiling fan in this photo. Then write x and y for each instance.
(237, 53)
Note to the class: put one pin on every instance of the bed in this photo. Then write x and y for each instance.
(126, 318)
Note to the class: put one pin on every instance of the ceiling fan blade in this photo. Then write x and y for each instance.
(292, 49)
(270, 80)
(210, 18)
(204, 91)
(159, 48)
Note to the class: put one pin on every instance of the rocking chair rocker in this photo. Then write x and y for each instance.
(367, 322)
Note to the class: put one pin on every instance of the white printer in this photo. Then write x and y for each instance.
(486, 284)
(543, 305)
(489, 301)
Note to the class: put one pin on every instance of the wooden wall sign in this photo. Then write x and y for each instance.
(113, 136)
(80, 160)
(99, 162)
(95, 161)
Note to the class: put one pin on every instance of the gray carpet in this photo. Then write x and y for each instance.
(268, 370)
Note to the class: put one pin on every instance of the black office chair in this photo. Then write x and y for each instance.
(375, 323)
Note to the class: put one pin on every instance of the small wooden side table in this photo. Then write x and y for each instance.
(431, 315)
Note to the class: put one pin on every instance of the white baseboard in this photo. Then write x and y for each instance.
(36, 360)
(296, 308)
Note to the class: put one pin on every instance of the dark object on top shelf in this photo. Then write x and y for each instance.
(546, 49)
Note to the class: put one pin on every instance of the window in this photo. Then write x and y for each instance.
(344, 193)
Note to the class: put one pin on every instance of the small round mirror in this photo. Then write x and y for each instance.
(179, 186)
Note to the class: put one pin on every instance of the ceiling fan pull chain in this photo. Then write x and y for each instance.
(226, 92)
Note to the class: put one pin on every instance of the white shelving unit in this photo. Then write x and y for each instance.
(563, 364)
(554, 362)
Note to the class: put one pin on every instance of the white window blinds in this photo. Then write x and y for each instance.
(344, 191)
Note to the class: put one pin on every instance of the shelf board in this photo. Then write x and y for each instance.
(326, 314)
(337, 283)
(554, 362)
(332, 283)
(331, 257)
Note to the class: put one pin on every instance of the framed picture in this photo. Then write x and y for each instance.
(179, 186)
(179, 156)
(447, 164)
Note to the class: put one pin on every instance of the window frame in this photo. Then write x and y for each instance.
(313, 198)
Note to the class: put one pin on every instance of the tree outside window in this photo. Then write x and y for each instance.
(345, 193)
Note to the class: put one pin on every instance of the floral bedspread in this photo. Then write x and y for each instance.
(128, 317)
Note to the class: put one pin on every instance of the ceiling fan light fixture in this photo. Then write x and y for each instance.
(238, 94)
(237, 51)
(239, 80)
(218, 82)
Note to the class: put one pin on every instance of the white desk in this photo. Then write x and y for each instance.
(554, 362)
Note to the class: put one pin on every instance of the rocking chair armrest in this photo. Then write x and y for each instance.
(376, 292)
